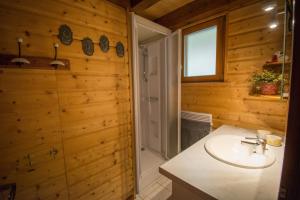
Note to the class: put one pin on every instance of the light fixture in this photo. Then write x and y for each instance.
(19, 60)
(273, 25)
(274, 22)
(269, 7)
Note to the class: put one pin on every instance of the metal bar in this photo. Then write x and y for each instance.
(283, 50)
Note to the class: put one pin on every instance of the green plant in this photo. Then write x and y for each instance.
(266, 76)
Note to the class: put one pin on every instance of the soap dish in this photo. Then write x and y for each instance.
(263, 133)
(274, 140)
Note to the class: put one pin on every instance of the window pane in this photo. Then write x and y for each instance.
(200, 52)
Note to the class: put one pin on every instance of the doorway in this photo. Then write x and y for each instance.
(156, 85)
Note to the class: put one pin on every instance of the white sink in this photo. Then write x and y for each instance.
(229, 149)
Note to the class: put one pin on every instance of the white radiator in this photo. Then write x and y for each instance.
(195, 116)
(194, 127)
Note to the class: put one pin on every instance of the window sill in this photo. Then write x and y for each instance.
(212, 83)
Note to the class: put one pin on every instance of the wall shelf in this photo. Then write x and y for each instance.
(277, 67)
(275, 64)
(265, 98)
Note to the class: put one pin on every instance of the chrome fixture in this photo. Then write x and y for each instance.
(258, 141)
(145, 54)
(19, 60)
(55, 63)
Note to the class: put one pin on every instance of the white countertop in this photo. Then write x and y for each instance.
(196, 169)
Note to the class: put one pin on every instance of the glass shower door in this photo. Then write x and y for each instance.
(154, 86)
(173, 94)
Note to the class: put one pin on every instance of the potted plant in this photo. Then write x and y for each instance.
(266, 82)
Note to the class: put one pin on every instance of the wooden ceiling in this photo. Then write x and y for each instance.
(178, 13)
(152, 9)
(162, 7)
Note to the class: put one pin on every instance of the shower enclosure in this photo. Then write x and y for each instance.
(151, 60)
(156, 84)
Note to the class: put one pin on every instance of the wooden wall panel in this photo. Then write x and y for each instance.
(84, 114)
(250, 43)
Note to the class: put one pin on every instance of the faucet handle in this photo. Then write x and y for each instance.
(258, 141)
(251, 138)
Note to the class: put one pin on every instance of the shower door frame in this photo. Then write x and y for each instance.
(135, 22)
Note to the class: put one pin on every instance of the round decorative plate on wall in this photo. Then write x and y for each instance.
(120, 49)
(87, 46)
(65, 34)
(104, 43)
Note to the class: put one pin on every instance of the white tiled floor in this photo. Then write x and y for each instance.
(150, 161)
(153, 185)
(160, 189)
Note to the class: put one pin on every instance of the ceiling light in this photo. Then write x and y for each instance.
(273, 25)
(269, 7)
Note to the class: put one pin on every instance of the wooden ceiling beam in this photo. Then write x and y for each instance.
(122, 3)
(199, 10)
(142, 5)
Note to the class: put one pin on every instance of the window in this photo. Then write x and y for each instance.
(203, 51)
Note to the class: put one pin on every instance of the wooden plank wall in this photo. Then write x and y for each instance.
(249, 44)
(84, 114)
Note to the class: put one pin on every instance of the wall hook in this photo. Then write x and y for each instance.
(53, 152)
(55, 63)
(29, 163)
(19, 60)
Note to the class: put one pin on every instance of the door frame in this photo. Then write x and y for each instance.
(290, 177)
(135, 22)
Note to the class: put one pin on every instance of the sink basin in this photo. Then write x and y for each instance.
(229, 149)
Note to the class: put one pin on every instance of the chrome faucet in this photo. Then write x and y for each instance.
(258, 141)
